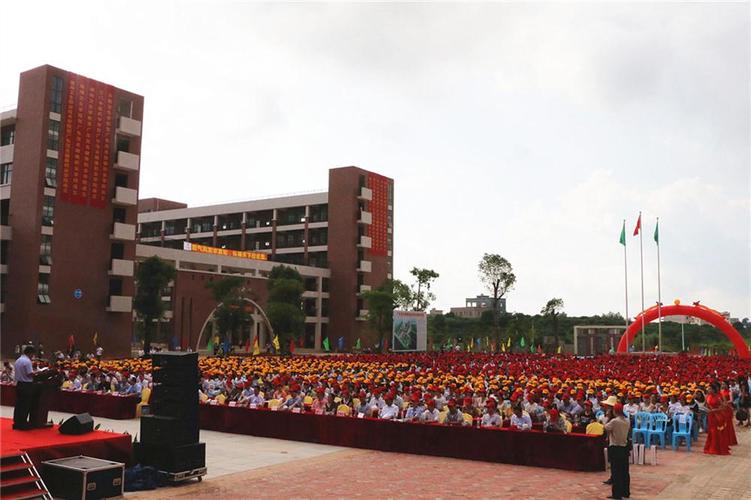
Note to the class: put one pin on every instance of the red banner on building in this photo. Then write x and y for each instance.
(86, 150)
(379, 209)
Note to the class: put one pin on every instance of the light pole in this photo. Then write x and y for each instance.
(683, 336)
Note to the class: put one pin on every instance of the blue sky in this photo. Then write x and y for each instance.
(528, 130)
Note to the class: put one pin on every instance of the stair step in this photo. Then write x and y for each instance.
(7, 483)
(15, 467)
(25, 494)
(14, 454)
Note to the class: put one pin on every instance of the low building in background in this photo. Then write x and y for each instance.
(475, 306)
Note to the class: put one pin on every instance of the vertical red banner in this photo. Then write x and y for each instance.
(379, 211)
(86, 145)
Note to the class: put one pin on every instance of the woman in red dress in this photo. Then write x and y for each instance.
(717, 437)
(727, 400)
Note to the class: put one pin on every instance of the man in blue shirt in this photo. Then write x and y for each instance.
(24, 375)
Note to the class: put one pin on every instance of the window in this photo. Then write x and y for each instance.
(45, 250)
(319, 213)
(50, 173)
(43, 289)
(202, 224)
(4, 211)
(118, 251)
(48, 211)
(8, 135)
(121, 180)
(175, 226)
(53, 136)
(6, 173)
(56, 95)
(116, 286)
(151, 229)
(118, 215)
(123, 143)
(125, 108)
(4, 252)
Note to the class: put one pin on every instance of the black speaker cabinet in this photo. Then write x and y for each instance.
(83, 478)
(77, 424)
(157, 429)
(174, 360)
(171, 458)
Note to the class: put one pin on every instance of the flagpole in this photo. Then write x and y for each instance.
(641, 257)
(659, 297)
(625, 269)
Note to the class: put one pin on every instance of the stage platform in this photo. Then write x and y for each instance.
(48, 444)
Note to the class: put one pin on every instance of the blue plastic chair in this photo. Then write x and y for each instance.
(682, 429)
(658, 430)
(599, 413)
(642, 426)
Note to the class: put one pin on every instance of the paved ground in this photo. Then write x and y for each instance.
(250, 467)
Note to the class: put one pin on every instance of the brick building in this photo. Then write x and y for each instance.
(70, 167)
(341, 242)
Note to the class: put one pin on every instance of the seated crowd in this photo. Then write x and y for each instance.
(556, 393)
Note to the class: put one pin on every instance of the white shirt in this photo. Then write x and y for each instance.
(489, 420)
(523, 423)
(631, 409)
(430, 415)
(389, 412)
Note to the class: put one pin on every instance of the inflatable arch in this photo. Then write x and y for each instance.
(245, 299)
(696, 310)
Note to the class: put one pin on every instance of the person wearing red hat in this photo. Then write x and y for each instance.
(319, 403)
(454, 416)
(617, 428)
(415, 409)
(555, 422)
(389, 411)
(430, 415)
(468, 408)
(491, 418)
(295, 401)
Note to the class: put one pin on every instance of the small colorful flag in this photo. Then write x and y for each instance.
(622, 240)
(247, 344)
(292, 346)
(96, 338)
(638, 225)
(508, 344)
(522, 342)
(210, 345)
(256, 346)
(657, 233)
(276, 342)
(326, 346)
(357, 344)
(558, 351)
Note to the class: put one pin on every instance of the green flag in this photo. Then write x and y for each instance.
(522, 343)
(531, 348)
(657, 232)
(622, 241)
(210, 345)
(326, 346)
(357, 344)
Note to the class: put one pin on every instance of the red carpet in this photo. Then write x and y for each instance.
(48, 444)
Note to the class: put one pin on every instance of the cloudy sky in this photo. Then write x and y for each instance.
(528, 130)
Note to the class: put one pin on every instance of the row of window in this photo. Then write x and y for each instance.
(8, 135)
(6, 173)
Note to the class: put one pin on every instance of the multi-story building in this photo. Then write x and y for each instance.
(475, 306)
(340, 240)
(69, 173)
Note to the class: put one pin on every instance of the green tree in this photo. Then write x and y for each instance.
(402, 294)
(153, 275)
(421, 295)
(381, 304)
(497, 274)
(552, 310)
(232, 312)
(284, 306)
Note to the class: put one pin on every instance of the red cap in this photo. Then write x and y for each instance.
(452, 403)
(490, 403)
(467, 401)
(431, 403)
(320, 390)
(553, 413)
(618, 408)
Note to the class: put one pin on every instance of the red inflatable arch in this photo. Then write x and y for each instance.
(697, 311)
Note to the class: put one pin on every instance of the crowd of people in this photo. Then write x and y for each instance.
(556, 392)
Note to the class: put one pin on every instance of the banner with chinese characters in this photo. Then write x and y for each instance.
(193, 247)
(86, 151)
(379, 209)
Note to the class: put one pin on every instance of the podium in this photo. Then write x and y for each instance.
(45, 387)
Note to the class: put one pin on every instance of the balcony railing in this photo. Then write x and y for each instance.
(120, 303)
(127, 161)
(365, 242)
(366, 194)
(365, 266)
(129, 126)
(122, 231)
(365, 217)
(125, 196)
(120, 267)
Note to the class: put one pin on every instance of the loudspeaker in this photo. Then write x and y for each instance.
(77, 424)
(171, 458)
(173, 431)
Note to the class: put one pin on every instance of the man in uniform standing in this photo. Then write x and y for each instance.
(24, 376)
(618, 427)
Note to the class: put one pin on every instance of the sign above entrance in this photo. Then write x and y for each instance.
(193, 247)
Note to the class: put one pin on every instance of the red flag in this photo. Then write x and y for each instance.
(247, 344)
(385, 344)
(292, 346)
(71, 342)
(638, 225)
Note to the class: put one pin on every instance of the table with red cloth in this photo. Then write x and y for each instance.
(580, 452)
(99, 405)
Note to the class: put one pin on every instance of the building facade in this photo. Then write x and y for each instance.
(475, 306)
(70, 160)
(340, 240)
